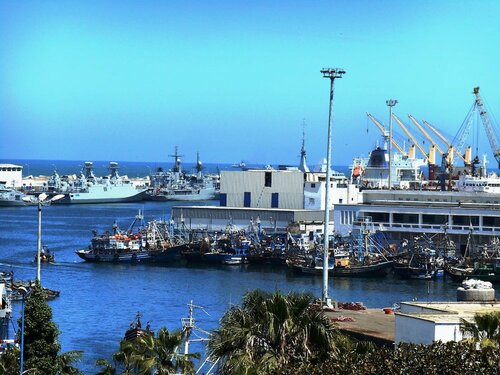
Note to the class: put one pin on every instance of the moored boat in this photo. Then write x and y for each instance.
(153, 242)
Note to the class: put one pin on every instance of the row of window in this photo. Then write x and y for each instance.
(247, 199)
(11, 169)
(402, 218)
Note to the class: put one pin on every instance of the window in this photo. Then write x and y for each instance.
(268, 179)
(313, 185)
(311, 201)
(274, 200)
(223, 199)
(247, 199)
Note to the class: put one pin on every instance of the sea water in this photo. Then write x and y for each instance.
(98, 301)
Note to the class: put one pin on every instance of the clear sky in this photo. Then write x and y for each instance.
(129, 80)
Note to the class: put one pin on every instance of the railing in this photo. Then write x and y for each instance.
(414, 227)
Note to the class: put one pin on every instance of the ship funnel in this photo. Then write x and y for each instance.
(411, 152)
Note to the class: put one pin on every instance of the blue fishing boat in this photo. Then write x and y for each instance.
(153, 242)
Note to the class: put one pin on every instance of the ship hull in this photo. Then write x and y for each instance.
(372, 270)
(88, 198)
(163, 256)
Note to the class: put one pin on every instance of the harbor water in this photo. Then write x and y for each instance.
(98, 301)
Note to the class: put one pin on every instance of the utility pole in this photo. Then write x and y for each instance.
(390, 103)
(330, 73)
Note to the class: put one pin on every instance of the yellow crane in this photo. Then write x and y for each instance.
(451, 150)
(426, 135)
(431, 155)
(385, 133)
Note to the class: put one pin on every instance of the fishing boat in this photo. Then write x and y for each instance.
(365, 257)
(135, 330)
(222, 250)
(309, 265)
(46, 256)
(153, 242)
(484, 269)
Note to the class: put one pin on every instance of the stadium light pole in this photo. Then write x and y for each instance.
(332, 74)
(390, 103)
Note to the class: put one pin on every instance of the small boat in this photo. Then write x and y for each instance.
(309, 265)
(45, 255)
(136, 329)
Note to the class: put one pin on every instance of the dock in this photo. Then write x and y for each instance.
(368, 325)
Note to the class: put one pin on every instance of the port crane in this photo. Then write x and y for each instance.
(492, 136)
(429, 155)
(451, 150)
(385, 133)
(426, 135)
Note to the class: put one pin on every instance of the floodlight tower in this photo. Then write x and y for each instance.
(332, 74)
(390, 103)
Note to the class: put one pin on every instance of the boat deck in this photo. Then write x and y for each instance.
(371, 325)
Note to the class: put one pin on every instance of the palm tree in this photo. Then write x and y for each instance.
(160, 354)
(107, 367)
(484, 329)
(272, 331)
(66, 360)
(126, 357)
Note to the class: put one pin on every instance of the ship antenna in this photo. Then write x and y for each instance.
(303, 162)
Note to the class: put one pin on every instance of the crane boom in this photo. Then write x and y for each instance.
(410, 135)
(385, 133)
(448, 144)
(492, 137)
(426, 135)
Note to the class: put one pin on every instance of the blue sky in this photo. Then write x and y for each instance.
(129, 80)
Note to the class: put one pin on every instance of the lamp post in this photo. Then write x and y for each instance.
(330, 73)
(25, 294)
(390, 103)
(40, 201)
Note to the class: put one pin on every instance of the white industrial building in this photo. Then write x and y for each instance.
(262, 189)
(425, 322)
(341, 191)
(11, 175)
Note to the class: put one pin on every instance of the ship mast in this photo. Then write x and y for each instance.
(303, 163)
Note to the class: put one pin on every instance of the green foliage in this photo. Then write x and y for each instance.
(9, 362)
(40, 334)
(272, 331)
(408, 359)
(484, 329)
(65, 363)
(41, 347)
(150, 354)
(107, 368)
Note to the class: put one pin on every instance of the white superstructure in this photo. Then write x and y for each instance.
(12, 175)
